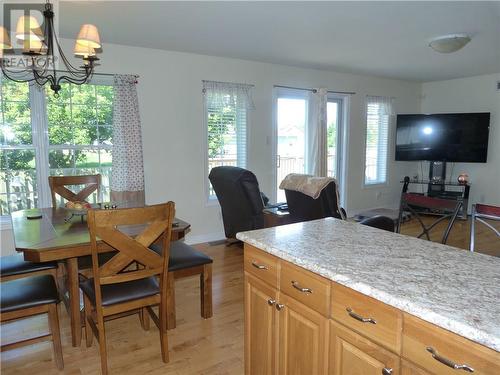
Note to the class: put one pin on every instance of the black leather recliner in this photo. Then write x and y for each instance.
(304, 208)
(240, 199)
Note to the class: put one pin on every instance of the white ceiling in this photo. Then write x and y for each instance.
(387, 39)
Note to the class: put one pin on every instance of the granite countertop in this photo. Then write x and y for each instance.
(451, 288)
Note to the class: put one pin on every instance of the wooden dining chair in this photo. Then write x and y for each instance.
(14, 267)
(185, 261)
(59, 186)
(27, 297)
(117, 288)
(481, 213)
(414, 203)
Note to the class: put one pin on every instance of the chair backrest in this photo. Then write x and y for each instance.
(304, 208)
(118, 229)
(238, 192)
(481, 213)
(58, 185)
(448, 209)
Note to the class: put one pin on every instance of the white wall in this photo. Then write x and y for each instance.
(172, 118)
(171, 108)
(472, 94)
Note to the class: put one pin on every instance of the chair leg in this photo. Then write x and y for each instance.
(206, 291)
(144, 317)
(171, 323)
(56, 335)
(163, 312)
(102, 343)
(89, 334)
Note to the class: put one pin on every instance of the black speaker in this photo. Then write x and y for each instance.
(437, 177)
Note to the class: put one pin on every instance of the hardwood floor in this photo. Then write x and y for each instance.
(197, 346)
(486, 241)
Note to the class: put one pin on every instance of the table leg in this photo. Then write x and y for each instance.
(74, 301)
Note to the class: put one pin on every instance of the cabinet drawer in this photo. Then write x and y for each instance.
(418, 336)
(310, 289)
(367, 316)
(261, 264)
(351, 353)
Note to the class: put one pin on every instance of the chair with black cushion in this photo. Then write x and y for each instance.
(116, 288)
(186, 261)
(485, 214)
(61, 186)
(239, 196)
(15, 267)
(380, 222)
(418, 205)
(31, 296)
(302, 207)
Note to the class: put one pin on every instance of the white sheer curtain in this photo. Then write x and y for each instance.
(127, 175)
(316, 144)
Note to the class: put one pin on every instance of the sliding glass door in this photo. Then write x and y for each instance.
(300, 134)
(291, 122)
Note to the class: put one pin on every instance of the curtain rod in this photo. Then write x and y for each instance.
(315, 90)
(97, 74)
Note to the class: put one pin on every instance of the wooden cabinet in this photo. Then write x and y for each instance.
(437, 350)
(297, 322)
(304, 286)
(261, 265)
(371, 318)
(352, 354)
(260, 327)
(282, 335)
(303, 339)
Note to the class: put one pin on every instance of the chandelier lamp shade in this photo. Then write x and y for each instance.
(41, 50)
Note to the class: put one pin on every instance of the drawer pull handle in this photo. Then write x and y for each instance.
(279, 306)
(259, 266)
(448, 362)
(352, 314)
(297, 286)
(387, 371)
(271, 302)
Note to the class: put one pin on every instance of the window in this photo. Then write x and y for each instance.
(378, 117)
(78, 125)
(226, 116)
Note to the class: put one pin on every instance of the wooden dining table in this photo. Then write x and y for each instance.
(49, 234)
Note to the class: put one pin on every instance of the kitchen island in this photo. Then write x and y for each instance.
(351, 299)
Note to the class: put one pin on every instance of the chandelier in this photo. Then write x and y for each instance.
(41, 49)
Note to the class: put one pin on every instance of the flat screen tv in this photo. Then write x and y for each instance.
(453, 137)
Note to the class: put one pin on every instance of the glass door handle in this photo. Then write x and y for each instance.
(278, 161)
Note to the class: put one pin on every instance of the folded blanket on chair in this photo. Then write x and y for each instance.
(305, 184)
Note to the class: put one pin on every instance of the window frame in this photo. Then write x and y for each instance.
(211, 200)
(377, 184)
(344, 102)
(40, 139)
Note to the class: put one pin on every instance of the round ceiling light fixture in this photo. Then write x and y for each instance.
(449, 43)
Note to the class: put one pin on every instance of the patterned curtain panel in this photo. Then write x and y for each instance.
(127, 176)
